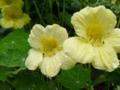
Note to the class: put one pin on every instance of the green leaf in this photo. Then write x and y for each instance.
(75, 78)
(28, 80)
(5, 72)
(114, 77)
(118, 88)
(99, 80)
(65, 19)
(5, 86)
(13, 49)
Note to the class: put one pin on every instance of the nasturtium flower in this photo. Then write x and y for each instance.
(4, 3)
(47, 50)
(97, 41)
(113, 1)
(13, 17)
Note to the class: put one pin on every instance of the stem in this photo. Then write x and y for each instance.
(90, 87)
(27, 8)
(63, 12)
(63, 6)
(118, 24)
(37, 11)
(58, 7)
(99, 80)
(50, 5)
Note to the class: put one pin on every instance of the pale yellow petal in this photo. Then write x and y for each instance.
(36, 33)
(22, 21)
(114, 39)
(4, 3)
(33, 60)
(50, 66)
(15, 15)
(26, 18)
(6, 23)
(93, 18)
(12, 12)
(113, 1)
(67, 62)
(57, 31)
(79, 50)
(105, 58)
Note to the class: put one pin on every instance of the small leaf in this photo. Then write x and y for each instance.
(28, 80)
(75, 78)
(118, 88)
(65, 19)
(5, 86)
(114, 77)
(5, 72)
(13, 49)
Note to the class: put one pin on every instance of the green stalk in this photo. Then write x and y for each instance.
(90, 86)
(118, 24)
(50, 5)
(63, 6)
(27, 11)
(58, 6)
(37, 11)
(99, 80)
(26, 6)
(63, 11)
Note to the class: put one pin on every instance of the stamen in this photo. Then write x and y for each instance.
(49, 46)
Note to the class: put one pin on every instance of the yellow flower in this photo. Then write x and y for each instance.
(4, 3)
(113, 1)
(97, 41)
(13, 17)
(47, 51)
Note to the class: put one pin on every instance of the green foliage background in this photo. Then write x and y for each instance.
(14, 48)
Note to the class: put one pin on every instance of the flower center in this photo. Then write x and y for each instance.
(95, 34)
(8, 2)
(95, 31)
(13, 13)
(49, 46)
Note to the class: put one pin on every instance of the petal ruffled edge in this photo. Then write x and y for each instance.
(5, 23)
(105, 58)
(67, 62)
(34, 59)
(50, 66)
(57, 31)
(34, 38)
(79, 50)
(114, 39)
(81, 19)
